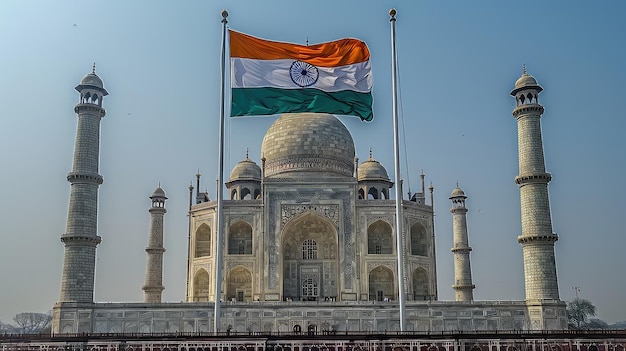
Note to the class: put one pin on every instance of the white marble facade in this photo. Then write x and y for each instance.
(311, 233)
(310, 244)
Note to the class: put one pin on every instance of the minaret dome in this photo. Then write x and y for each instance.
(526, 90)
(91, 89)
(158, 197)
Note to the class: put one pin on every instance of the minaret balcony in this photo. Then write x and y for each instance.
(463, 286)
(527, 239)
(528, 108)
(159, 210)
(84, 107)
(542, 178)
(77, 239)
(77, 177)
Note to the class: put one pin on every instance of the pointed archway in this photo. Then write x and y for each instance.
(203, 241)
(239, 286)
(201, 286)
(420, 285)
(310, 259)
(381, 286)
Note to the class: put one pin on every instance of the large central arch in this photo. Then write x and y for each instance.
(310, 260)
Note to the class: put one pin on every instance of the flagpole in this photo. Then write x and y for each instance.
(396, 163)
(220, 187)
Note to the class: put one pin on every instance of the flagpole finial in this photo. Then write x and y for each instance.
(224, 16)
(392, 14)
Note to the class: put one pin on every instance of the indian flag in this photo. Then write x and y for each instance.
(269, 77)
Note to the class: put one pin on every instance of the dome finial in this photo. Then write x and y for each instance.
(93, 69)
(371, 153)
(524, 69)
(247, 153)
(457, 183)
(392, 14)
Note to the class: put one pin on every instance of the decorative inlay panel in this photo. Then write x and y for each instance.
(232, 264)
(281, 209)
(289, 211)
(371, 265)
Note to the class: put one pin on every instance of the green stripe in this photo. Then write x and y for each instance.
(271, 101)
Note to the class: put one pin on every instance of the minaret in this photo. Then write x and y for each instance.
(81, 237)
(537, 239)
(153, 286)
(463, 287)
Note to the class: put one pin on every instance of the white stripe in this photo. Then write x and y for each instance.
(250, 73)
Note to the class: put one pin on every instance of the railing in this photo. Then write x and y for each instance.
(331, 335)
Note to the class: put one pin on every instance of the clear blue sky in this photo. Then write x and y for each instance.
(458, 62)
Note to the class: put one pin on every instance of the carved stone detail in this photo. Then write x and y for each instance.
(389, 219)
(308, 163)
(289, 211)
(240, 217)
(416, 265)
(206, 266)
(336, 213)
(232, 264)
(371, 265)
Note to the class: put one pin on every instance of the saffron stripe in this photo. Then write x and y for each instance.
(270, 101)
(336, 53)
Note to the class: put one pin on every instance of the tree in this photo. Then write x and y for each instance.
(6, 328)
(595, 323)
(618, 325)
(32, 322)
(578, 310)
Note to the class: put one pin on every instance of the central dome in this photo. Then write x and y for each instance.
(308, 143)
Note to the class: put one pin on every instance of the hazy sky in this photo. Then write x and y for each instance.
(457, 62)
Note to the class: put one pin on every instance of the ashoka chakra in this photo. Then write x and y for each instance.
(303, 74)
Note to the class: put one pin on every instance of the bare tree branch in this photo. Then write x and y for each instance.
(32, 322)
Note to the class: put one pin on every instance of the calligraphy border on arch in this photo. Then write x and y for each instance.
(329, 211)
(274, 204)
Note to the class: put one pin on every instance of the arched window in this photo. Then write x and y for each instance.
(420, 285)
(201, 286)
(203, 241)
(373, 194)
(240, 239)
(239, 286)
(385, 194)
(309, 250)
(245, 194)
(419, 240)
(379, 239)
(381, 284)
